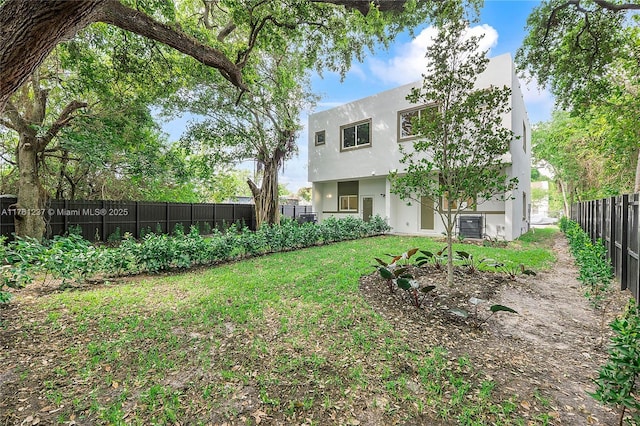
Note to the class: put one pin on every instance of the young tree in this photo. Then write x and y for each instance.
(457, 159)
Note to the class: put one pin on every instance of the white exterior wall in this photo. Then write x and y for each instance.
(370, 165)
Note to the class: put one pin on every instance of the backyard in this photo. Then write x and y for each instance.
(310, 337)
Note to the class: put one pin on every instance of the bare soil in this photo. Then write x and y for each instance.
(547, 355)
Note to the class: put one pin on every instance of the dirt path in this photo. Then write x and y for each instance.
(562, 339)
(546, 356)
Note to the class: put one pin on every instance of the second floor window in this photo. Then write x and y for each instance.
(355, 135)
(405, 120)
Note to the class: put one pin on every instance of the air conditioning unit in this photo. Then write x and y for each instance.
(470, 226)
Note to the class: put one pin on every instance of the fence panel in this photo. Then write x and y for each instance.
(633, 266)
(97, 220)
(616, 221)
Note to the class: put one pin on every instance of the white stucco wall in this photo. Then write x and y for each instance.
(370, 165)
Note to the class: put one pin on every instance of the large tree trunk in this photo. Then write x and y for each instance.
(266, 197)
(29, 219)
(29, 30)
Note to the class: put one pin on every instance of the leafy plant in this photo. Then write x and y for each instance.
(115, 236)
(392, 271)
(436, 258)
(418, 294)
(616, 384)
(512, 270)
(494, 242)
(595, 269)
(474, 316)
(469, 262)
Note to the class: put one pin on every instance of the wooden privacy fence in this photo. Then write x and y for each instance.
(97, 220)
(616, 221)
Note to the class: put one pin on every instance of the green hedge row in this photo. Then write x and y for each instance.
(72, 258)
(595, 270)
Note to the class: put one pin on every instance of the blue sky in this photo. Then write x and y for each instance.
(502, 22)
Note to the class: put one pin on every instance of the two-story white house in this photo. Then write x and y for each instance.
(353, 147)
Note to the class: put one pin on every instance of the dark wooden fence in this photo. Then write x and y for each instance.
(97, 220)
(616, 221)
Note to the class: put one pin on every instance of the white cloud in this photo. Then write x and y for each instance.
(409, 65)
(533, 93)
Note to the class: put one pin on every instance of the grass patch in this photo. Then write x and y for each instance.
(285, 337)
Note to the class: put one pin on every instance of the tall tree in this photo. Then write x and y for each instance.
(592, 155)
(580, 49)
(82, 109)
(27, 117)
(456, 160)
(261, 126)
(29, 30)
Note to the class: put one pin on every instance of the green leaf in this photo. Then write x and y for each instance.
(385, 273)
(502, 308)
(404, 283)
(428, 288)
(381, 262)
(463, 254)
(400, 271)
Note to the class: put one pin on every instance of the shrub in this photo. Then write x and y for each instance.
(595, 269)
(616, 384)
(73, 258)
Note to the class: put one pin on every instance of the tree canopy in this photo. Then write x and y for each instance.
(220, 34)
(588, 53)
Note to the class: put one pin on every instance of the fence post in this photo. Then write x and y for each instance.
(137, 205)
(611, 247)
(168, 223)
(65, 216)
(636, 221)
(104, 222)
(625, 242)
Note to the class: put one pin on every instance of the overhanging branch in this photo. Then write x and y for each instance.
(129, 19)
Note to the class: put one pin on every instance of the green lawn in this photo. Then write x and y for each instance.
(282, 338)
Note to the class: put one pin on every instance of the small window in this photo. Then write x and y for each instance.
(524, 137)
(349, 203)
(405, 120)
(356, 135)
(320, 137)
(348, 196)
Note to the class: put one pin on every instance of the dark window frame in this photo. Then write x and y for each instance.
(320, 134)
(355, 126)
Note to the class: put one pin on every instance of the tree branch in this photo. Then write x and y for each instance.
(129, 19)
(363, 6)
(8, 124)
(21, 126)
(617, 7)
(64, 119)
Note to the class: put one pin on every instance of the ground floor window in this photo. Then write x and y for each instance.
(348, 196)
(349, 203)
